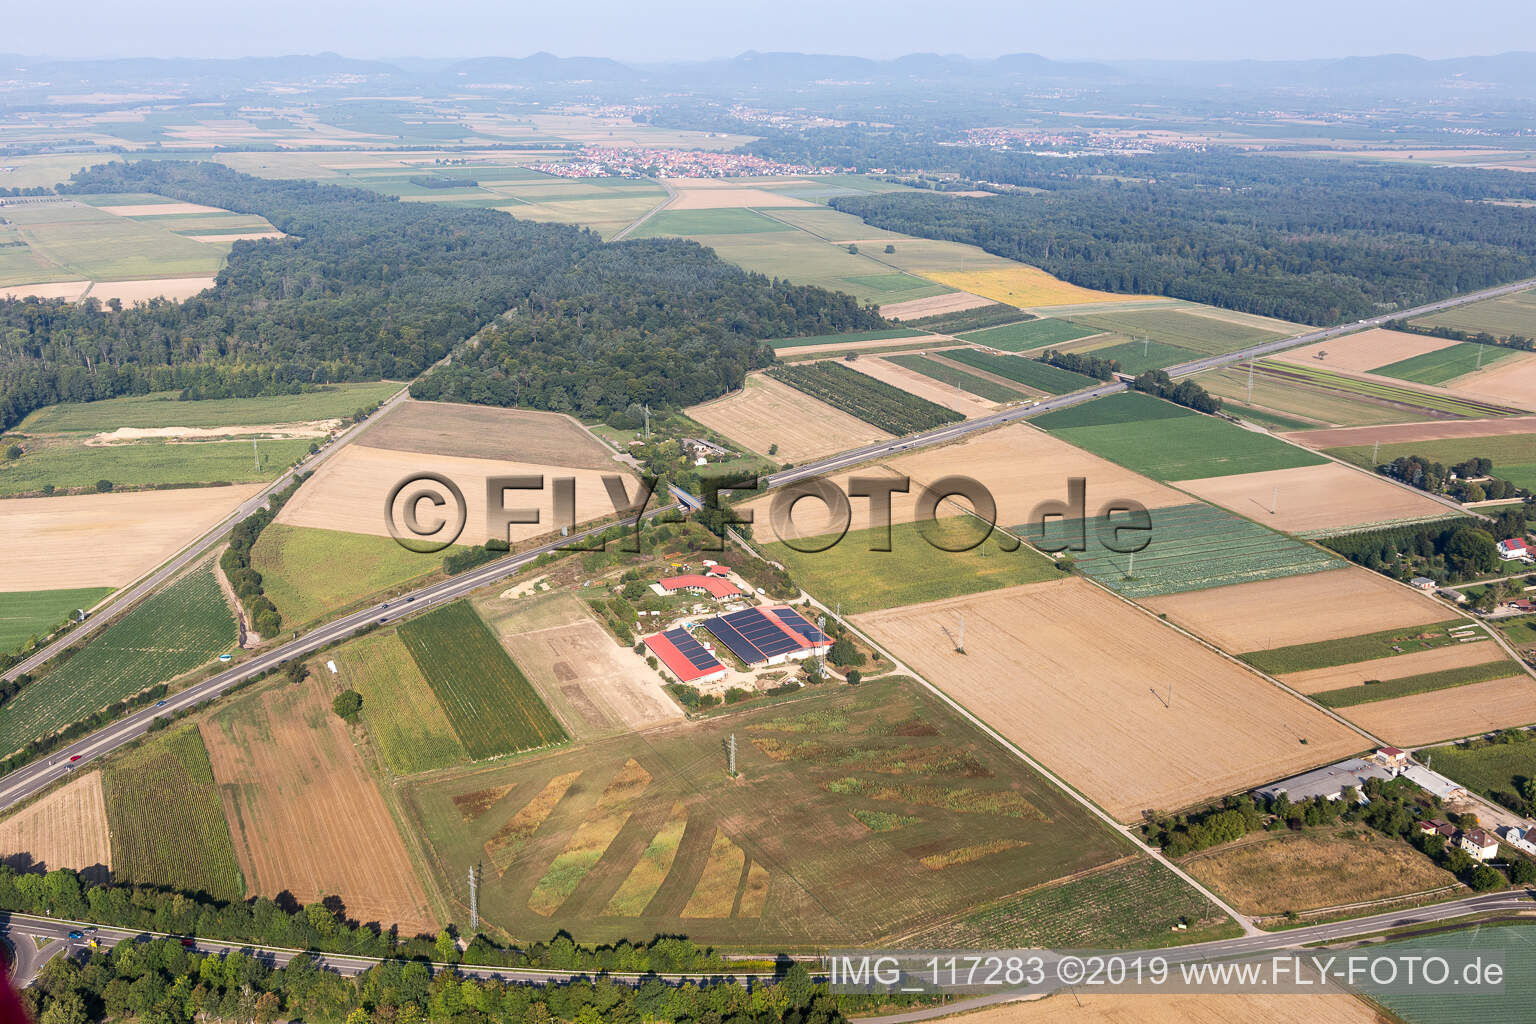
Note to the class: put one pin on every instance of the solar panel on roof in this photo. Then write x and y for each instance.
(800, 624)
(691, 649)
(762, 632)
(732, 638)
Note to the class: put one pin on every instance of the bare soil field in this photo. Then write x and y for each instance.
(690, 198)
(1314, 870)
(303, 812)
(239, 236)
(1433, 430)
(767, 413)
(105, 540)
(917, 341)
(1315, 499)
(1448, 714)
(1084, 1006)
(349, 491)
(1436, 659)
(915, 309)
(487, 432)
(159, 209)
(593, 685)
(1511, 379)
(1125, 709)
(914, 383)
(53, 290)
(65, 829)
(1020, 465)
(1365, 351)
(129, 292)
(1297, 609)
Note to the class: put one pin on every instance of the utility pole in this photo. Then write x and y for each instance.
(1274, 504)
(1375, 452)
(1130, 567)
(821, 624)
(730, 752)
(1250, 381)
(255, 453)
(960, 643)
(647, 409)
(474, 899)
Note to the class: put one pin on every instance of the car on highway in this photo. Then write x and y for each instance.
(76, 933)
(73, 759)
(161, 703)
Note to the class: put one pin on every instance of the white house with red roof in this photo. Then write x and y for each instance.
(1514, 548)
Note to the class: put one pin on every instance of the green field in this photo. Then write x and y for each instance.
(913, 571)
(1138, 356)
(840, 339)
(1350, 696)
(173, 631)
(147, 463)
(1132, 906)
(1444, 403)
(400, 711)
(1513, 946)
(166, 819)
(1186, 329)
(806, 258)
(1289, 399)
(1031, 373)
(1504, 316)
(708, 222)
(603, 815)
(1265, 418)
(1191, 547)
(492, 708)
(979, 386)
(1184, 445)
(1513, 455)
(873, 401)
(1031, 334)
(25, 614)
(82, 242)
(1351, 649)
(164, 409)
(308, 573)
(1445, 364)
(1487, 768)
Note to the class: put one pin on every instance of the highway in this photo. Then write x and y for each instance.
(122, 600)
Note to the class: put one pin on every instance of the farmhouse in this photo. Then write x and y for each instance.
(1521, 838)
(1392, 757)
(685, 657)
(1480, 844)
(714, 586)
(1436, 827)
(767, 636)
(1423, 583)
(1514, 548)
(1329, 781)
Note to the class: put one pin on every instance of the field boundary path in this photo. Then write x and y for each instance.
(624, 232)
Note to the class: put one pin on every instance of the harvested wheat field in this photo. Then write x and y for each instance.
(1365, 351)
(159, 209)
(239, 236)
(1125, 709)
(767, 413)
(1316, 499)
(1449, 714)
(923, 386)
(1436, 659)
(303, 812)
(129, 292)
(689, 198)
(916, 309)
(1021, 465)
(349, 491)
(105, 540)
(1298, 609)
(1433, 430)
(54, 290)
(1085, 1006)
(65, 829)
(488, 432)
(594, 685)
(1023, 286)
(1512, 379)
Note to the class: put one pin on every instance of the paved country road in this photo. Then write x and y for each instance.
(32, 779)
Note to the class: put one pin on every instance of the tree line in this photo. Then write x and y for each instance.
(365, 287)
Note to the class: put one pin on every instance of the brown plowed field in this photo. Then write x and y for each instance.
(1020, 465)
(1447, 714)
(1083, 682)
(65, 829)
(1314, 499)
(923, 386)
(1511, 379)
(303, 813)
(1436, 659)
(916, 309)
(487, 432)
(767, 413)
(1298, 609)
(1434, 430)
(1365, 351)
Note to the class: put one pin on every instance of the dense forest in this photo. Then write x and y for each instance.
(367, 287)
(1314, 241)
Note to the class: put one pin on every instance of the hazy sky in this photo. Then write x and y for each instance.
(643, 30)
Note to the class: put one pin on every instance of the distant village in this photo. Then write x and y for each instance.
(641, 162)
